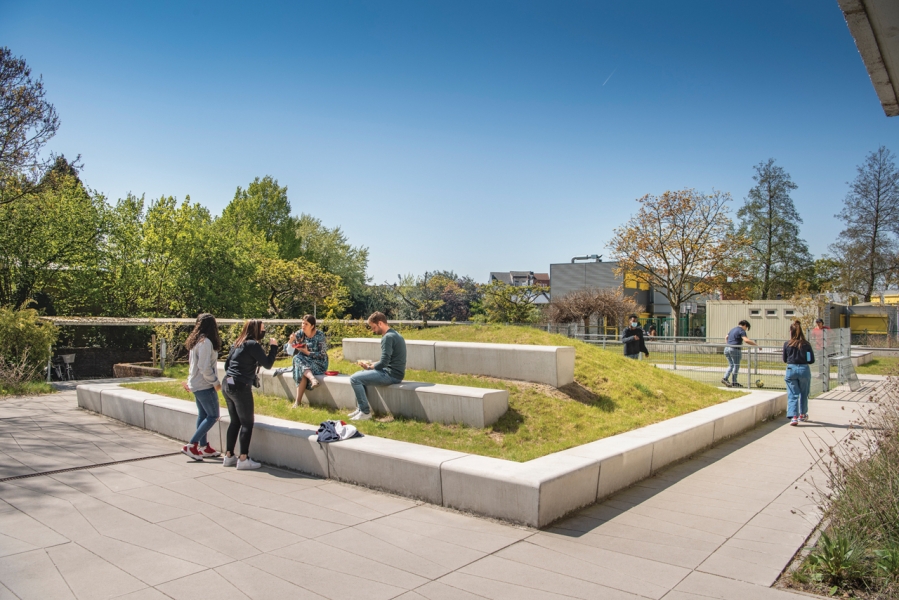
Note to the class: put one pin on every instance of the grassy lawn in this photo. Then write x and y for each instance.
(882, 365)
(611, 394)
(32, 388)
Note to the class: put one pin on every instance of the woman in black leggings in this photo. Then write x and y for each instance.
(245, 357)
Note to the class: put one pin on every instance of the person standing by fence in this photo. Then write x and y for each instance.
(632, 338)
(798, 355)
(204, 344)
(245, 357)
(734, 351)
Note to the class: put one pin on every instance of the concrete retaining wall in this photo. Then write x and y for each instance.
(428, 402)
(534, 493)
(550, 365)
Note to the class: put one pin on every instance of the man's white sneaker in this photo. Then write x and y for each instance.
(353, 414)
(361, 416)
(248, 463)
(229, 461)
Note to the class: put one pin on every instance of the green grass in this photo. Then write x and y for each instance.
(611, 395)
(882, 365)
(31, 388)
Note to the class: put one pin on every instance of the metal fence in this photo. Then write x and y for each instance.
(759, 367)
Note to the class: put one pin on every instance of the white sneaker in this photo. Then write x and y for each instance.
(229, 461)
(361, 416)
(353, 414)
(249, 463)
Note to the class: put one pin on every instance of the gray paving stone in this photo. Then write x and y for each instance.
(323, 554)
(89, 576)
(206, 584)
(259, 585)
(150, 567)
(512, 573)
(32, 575)
(579, 565)
(326, 582)
(723, 588)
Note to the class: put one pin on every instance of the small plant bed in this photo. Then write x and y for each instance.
(882, 365)
(857, 556)
(29, 388)
(611, 395)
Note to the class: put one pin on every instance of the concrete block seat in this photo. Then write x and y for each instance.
(536, 492)
(428, 402)
(550, 365)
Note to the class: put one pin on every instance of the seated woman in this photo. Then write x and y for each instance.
(310, 356)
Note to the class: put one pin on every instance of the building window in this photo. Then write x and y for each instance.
(789, 313)
(770, 312)
(755, 312)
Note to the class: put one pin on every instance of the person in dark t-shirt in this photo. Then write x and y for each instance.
(735, 339)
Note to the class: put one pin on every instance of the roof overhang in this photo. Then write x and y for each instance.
(875, 26)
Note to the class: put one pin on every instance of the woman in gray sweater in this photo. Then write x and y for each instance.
(202, 379)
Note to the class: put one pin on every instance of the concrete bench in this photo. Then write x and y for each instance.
(428, 402)
(536, 492)
(550, 365)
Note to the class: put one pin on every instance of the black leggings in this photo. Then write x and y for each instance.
(239, 398)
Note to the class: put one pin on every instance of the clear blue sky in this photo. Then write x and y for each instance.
(472, 136)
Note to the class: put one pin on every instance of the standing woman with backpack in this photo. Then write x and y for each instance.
(202, 379)
(246, 356)
(798, 355)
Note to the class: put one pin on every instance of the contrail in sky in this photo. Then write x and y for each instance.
(610, 76)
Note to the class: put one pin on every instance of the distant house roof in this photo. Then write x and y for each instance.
(520, 277)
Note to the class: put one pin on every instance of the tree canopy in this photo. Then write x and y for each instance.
(868, 247)
(680, 243)
(775, 252)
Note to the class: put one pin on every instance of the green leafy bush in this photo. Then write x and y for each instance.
(25, 340)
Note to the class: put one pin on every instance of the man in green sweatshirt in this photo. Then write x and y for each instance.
(387, 371)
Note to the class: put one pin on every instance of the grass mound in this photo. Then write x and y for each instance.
(611, 394)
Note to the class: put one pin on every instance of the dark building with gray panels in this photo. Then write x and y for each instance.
(573, 276)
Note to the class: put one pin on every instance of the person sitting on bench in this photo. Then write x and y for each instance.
(389, 370)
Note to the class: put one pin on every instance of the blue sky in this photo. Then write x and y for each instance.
(471, 136)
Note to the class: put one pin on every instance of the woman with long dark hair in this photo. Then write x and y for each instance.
(245, 357)
(310, 356)
(202, 379)
(798, 355)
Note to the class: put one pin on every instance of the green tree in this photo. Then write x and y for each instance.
(769, 221)
(681, 243)
(263, 209)
(504, 303)
(49, 241)
(297, 286)
(422, 295)
(330, 250)
(868, 248)
(27, 122)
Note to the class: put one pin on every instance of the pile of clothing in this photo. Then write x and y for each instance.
(335, 431)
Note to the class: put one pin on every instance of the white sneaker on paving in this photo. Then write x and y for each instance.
(353, 414)
(229, 461)
(248, 463)
(361, 416)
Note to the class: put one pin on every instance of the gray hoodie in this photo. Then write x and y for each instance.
(202, 374)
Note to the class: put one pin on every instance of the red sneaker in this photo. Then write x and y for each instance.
(192, 451)
(209, 451)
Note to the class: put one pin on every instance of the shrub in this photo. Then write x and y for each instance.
(25, 341)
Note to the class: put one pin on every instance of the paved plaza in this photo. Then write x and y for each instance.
(721, 525)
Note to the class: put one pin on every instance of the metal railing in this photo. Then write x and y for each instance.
(758, 367)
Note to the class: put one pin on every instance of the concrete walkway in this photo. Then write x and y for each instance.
(722, 525)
